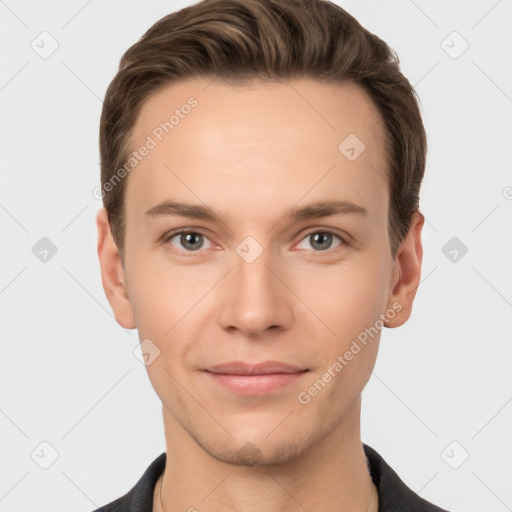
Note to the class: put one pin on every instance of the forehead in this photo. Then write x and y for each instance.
(261, 141)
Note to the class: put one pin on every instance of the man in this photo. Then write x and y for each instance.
(261, 165)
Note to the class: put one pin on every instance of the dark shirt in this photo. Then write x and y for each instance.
(394, 495)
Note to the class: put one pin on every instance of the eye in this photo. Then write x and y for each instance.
(189, 241)
(321, 240)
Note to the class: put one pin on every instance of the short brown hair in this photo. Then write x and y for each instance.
(239, 40)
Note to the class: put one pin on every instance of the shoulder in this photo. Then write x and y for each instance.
(140, 497)
(394, 495)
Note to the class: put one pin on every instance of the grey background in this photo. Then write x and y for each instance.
(442, 385)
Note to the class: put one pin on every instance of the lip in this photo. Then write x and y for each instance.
(254, 379)
(263, 368)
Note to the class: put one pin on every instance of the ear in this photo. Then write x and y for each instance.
(112, 273)
(406, 277)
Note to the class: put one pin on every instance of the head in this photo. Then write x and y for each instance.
(246, 124)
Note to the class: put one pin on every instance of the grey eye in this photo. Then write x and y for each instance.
(190, 241)
(321, 240)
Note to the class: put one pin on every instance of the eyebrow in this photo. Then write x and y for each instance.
(311, 211)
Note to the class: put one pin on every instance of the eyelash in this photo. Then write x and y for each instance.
(169, 236)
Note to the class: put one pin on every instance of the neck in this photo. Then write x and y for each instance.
(331, 476)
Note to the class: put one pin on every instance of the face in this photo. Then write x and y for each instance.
(254, 233)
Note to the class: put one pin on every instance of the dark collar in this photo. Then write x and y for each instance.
(394, 495)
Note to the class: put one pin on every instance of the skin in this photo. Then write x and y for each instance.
(251, 153)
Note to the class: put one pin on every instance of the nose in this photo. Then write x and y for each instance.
(256, 298)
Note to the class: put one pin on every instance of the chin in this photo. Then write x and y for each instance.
(258, 451)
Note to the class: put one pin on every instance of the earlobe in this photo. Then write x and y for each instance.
(407, 275)
(112, 273)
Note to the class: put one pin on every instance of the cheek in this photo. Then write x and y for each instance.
(350, 304)
(162, 294)
(347, 298)
(152, 304)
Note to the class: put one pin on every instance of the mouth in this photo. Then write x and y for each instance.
(254, 379)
